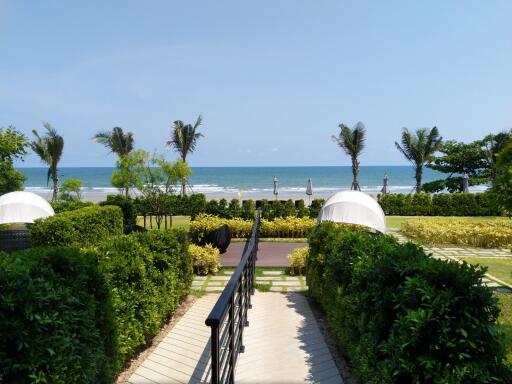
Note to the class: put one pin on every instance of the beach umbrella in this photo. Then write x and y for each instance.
(385, 188)
(465, 183)
(276, 187)
(309, 189)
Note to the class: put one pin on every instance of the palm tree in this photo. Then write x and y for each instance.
(117, 141)
(352, 142)
(184, 139)
(49, 148)
(418, 147)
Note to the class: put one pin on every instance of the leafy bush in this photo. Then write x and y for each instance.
(69, 205)
(248, 209)
(401, 316)
(85, 226)
(126, 204)
(206, 258)
(146, 274)
(441, 204)
(293, 227)
(314, 208)
(297, 259)
(70, 316)
(280, 227)
(472, 233)
(204, 224)
(55, 318)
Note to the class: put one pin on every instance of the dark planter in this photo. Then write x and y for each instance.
(220, 238)
(14, 239)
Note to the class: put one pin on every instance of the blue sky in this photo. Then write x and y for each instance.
(272, 79)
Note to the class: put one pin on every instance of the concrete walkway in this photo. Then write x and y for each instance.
(283, 344)
(270, 254)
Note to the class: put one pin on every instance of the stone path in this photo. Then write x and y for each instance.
(458, 254)
(270, 254)
(283, 344)
(274, 281)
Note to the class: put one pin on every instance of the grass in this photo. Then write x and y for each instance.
(500, 267)
(396, 221)
(505, 321)
(177, 222)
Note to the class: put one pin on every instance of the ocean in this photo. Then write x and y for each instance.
(250, 182)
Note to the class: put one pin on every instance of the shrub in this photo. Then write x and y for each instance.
(464, 232)
(314, 208)
(127, 206)
(146, 274)
(55, 318)
(69, 205)
(70, 316)
(206, 258)
(85, 226)
(297, 259)
(248, 209)
(440, 204)
(287, 227)
(402, 316)
(280, 227)
(204, 224)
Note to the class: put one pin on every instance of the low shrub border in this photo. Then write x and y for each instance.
(401, 316)
(77, 316)
(440, 204)
(461, 232)
(289, 227)
(85, 226)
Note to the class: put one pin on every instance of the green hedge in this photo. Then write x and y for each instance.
(196, 204)
(401, 316)
(69, 205)
(89, 225)
(54, 318)
(77, 316)
(126, 204)
(441, 204)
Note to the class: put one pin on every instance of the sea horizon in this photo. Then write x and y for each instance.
(248, 182)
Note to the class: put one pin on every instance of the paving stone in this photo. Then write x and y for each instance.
(200, 278)
(268, 278)
(276, 289)
(213, 289)
(285, 284)
(219, 278)
(295, 289)
(272, 273)
(213, 283)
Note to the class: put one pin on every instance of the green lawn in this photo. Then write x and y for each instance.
(505, 321)
(499, 267)
(177, 222)
(396, 221)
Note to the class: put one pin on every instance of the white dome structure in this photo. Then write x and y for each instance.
(354, 207)
(23, 207)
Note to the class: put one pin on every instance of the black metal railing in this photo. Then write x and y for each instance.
(228, 317)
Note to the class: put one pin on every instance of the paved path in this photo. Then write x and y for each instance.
(273, 281)
(283, 344)
(270, 254)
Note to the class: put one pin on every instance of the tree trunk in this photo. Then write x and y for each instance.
(355, 173)
(419, 173)
(126, 192)
(184, 181)
(55, 178)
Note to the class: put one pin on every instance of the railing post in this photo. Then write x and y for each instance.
(215, 355)
(233, 356)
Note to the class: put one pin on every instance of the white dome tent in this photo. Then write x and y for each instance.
(23, 207)
(354, 207)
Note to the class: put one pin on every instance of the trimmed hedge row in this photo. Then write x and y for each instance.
(441, 204)
(127, 206)
(196, 204)
(69, 205)
(85, 226)
(401, 316)
(77, 316)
